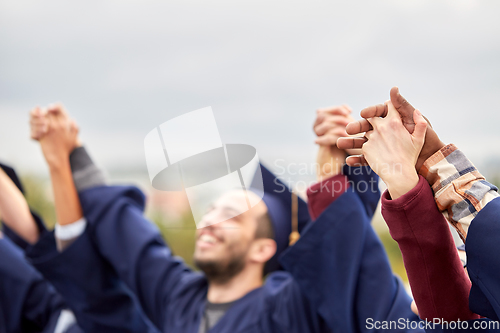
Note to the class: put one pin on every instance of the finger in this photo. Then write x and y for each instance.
(379, 110)
(57, 109)
(356, 160)
(368, 135)
(326, 140)
(322, 114)
(347, 107)
(391, 110)
(351, 143)
(357, 127)
(428, 122)
(420, 128)
(331, 122)
(373, 121)
(330, 138)
(334, 110)
(404, 108)
(36, 112)
(399, 101)
(319, 119)
(38, 123)
(73, 126)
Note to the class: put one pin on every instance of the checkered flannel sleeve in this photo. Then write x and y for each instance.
(459, 189)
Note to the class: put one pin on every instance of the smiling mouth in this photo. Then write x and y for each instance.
(207, 240)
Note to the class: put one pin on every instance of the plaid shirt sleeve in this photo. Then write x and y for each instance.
(459, 189)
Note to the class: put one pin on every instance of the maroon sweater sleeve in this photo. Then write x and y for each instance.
(322, 194)
(438, 280)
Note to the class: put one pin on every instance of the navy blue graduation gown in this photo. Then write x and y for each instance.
(483, 262)
(171, 294)
(483, 266)
(81, 280)
(364, 182)
(28, 303)
(21, 243)
(348, 278)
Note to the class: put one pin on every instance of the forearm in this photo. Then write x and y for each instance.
(330, 160)
(439, 283)
(85, 175)
(15, 211)
(341, 254)
(26, 296)
(98, 298)
(459, 189)
(68, 209)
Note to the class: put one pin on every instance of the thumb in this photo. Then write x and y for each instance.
(420, 128)
(325, 140)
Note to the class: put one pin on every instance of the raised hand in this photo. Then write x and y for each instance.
(58, 136)
(406, 112)
(56, 132)
(330, 125)
(391, 151)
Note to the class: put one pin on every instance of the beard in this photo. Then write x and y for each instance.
(221, 271)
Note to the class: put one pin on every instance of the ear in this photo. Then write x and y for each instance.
(262, 250)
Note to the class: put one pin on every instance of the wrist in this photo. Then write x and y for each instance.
(58, 164)
(329, 162)
(400, 183)
(432, 145)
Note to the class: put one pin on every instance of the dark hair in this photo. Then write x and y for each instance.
(264, 227)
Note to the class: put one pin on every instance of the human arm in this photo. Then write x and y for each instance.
(57, 144)
(460, 190)
(15, 211)
(406, 111)
(342, 265)
(334, 176)
(38, 228)
(28, 303)
(117, 234)
(93, 289)
(437, 278)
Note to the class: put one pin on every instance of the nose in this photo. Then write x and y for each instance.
(206, 222)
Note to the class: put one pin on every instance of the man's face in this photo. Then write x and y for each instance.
(222, 248)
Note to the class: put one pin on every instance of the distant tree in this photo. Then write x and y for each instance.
(39, 198)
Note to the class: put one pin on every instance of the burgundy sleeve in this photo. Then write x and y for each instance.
(322, 194)
(438, 280)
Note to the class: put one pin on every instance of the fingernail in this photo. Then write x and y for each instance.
(417, 111)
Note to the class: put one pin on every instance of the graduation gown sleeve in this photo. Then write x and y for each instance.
(27, 302)
(483, 261)
(91, 288)
(439, 282)
(133, 246)
(342, 265)
(364, 182)
(21, 243)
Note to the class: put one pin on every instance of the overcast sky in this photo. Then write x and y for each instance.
(124, 67)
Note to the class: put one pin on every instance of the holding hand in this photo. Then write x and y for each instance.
(392, 152)
(329, 126)
(406, 112)
(56, 132)
(58, 136)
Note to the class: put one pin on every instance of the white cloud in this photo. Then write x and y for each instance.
(123, 67)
